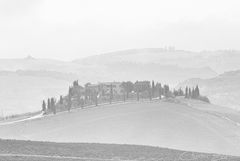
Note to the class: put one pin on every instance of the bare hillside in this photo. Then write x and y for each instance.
(191, 126)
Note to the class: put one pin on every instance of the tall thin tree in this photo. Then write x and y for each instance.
(186, 92)
(44, 106)
(153, 88)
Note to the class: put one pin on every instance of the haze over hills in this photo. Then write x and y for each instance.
(223, 90)
(30, 63)
(219, 61)
(168, 66)
(22, 93)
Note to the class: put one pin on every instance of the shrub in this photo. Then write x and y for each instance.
(203, 98)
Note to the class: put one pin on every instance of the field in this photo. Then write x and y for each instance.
(179, 124)
(11, 150)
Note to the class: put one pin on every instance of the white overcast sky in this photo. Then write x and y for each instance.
(70, 29)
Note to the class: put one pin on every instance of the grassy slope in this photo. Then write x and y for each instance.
(162, 124)
(103, 151)
(222, 90)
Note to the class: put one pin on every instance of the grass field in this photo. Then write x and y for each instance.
(12, 150)
(187, 126)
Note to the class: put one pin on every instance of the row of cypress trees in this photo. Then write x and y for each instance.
(49, 106)
(192, 92)
(147, 88)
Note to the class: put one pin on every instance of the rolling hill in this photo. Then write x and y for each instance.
(164, 65)
(222, 90)
(188, 126)
(23, 91)
(219, 60)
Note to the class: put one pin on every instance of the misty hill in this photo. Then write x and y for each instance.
(132, 64)
(52, 68)
(23, 91)
(219, 61)
(155, 63)
(169, 66)
(222, 90)
(170, 74)
(164, 65)
(30, 63)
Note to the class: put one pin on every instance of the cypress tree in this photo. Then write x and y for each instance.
(61, 100)
(193, 93)
(160, 91)
(111, 93)
(70, 91)
(96, 98)
(153, 88)
(186, 92)
(137, 94)
(197, 91)
(136, 89)
(53, 106)
(69, 103)
(49, 104)
(44, 106)
(150, 91)
(189, 93)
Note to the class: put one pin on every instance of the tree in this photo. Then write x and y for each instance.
(197, 93)
(193, 93)
(142, 87)
(127, 87)
(61, 100)
(150, 93)
(175, 92)
(159, 87)
(44, 106)
(186, 92)
(153, 88)
(96, 97)
(75, 83)
(69, 103)
(49, 104)
(166, 90)
(70, 91)
(180, 92)
(86, 92)
(111, 93)
(53, 106)
(189, 93)
(78, 98)
(137, 89)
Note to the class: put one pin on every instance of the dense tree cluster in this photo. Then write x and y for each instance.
(92, 94)
(192, 92)
(50, 106)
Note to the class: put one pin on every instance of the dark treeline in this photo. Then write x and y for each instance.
(93, 94)
(194, 93)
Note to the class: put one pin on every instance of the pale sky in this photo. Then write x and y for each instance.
(73, 29)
